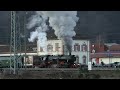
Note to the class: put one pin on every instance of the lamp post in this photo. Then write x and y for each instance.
(109, 46)
(109, 53)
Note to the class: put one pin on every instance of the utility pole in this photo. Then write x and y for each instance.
(99, 40)
(15, 42)
(25, 44)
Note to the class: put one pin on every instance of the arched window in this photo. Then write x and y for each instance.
(77, 59)
(84, 47)
(57, 47)
(35, 49)
(76, 47)
(49, 48)
(41, 49)
(84, 59)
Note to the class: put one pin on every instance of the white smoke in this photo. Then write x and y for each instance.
(63, 22)
(33, 36)
(40, 31)
(34, 20)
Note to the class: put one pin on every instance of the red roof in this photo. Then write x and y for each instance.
(115, 48)
(98, 47)
(105, 55)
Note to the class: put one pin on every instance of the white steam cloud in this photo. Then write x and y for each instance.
(63, 22)
(40, 32)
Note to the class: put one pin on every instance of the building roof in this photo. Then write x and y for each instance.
(5, 49)
(105, 55)
(115, 48)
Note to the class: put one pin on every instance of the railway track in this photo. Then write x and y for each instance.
(101, 68)
(61, 69)
(52, 69)
(46, 69)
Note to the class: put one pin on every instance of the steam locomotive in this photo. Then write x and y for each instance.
(46, 61)
(60, 61)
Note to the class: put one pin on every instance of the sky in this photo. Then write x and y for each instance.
(90, 23)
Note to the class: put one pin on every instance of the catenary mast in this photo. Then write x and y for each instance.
(15, 43)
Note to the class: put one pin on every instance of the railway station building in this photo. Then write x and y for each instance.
(80, 48)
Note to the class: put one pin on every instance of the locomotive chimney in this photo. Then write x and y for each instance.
(64, 50)
(69, 53)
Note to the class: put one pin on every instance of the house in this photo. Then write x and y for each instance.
(110, 54)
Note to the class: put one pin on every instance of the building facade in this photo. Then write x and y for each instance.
(80, 48)
(107, 58)
(108, 53)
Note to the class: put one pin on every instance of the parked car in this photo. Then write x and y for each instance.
(107, 65)
(118, 65)
(115, 64)
(97, 65)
